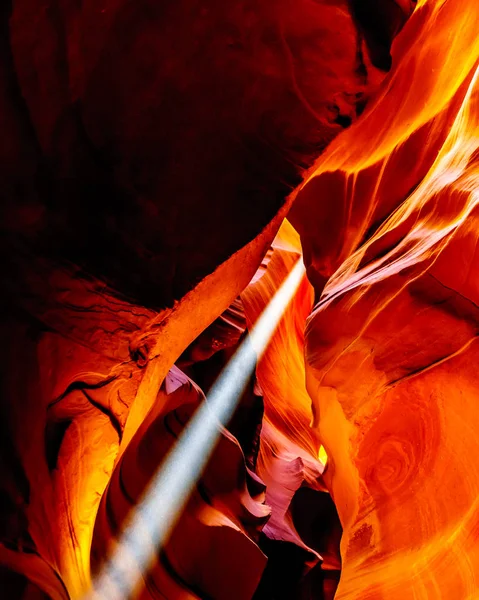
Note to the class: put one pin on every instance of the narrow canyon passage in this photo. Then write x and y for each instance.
(239, 300)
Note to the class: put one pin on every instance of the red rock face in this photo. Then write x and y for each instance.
(390, 344)
(151, 152)
(163, 122)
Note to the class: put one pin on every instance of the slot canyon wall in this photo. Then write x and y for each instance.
(163, 166)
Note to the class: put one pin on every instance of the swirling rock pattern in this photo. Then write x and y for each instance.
(151, 151)
(391, 342)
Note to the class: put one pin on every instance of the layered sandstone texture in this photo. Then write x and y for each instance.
(150, 153)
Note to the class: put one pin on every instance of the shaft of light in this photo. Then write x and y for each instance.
(165, 499)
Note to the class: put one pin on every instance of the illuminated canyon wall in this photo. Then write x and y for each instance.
(151, 152)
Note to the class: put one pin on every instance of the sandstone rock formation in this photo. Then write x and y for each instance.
(391, 343)
(151, 152)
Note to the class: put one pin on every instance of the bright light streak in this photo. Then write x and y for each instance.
(167, 495)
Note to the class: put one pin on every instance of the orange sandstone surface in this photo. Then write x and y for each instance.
(163, 167)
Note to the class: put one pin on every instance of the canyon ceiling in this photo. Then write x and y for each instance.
(164, 165)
